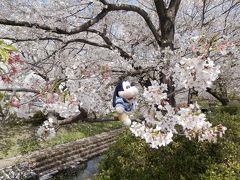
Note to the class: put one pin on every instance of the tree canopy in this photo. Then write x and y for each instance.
(72, 53)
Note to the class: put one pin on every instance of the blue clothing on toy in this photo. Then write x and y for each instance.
(128, 107)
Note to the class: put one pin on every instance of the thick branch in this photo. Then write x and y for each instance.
(161, 10)
(31, 25)
(20, 90)
(57, 39)
(218, 96)
(31, 39)
(181, 90)
(123, 53)
(164, 13)
(174, 6)
(87, 42)
(57, 30)
(203, 12)
(85, 26)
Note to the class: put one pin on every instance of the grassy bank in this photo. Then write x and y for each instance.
(20, 138)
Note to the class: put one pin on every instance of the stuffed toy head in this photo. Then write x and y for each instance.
(123, 100)
(126, 91)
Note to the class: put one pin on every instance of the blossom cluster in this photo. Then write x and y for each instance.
(47, 130)
(197, 72)
(10, 68)
(161, 120)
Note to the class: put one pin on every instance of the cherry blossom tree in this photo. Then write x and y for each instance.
(72, 53)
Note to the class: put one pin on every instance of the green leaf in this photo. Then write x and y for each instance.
(1, 96)
(4, 55)
(1, 41)
(56, 84)
(10, 47)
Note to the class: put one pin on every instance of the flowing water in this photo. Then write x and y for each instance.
(89, 171)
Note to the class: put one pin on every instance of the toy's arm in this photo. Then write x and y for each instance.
(134, 106)
(119, 108)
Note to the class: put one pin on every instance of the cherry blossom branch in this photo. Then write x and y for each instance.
(88, 42)
(176, 92)
(65, 44)
(31, 39)
(57, 39)
(20, 90)
(123, 53)
(231, 7)
(32, 25)
(86, 25)
(57, 30)
(72, 14)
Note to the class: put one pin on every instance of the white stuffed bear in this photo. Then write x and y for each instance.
(124, 101)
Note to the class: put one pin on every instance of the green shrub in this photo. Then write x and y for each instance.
(131, 158)
(232, 108)
(228, 171)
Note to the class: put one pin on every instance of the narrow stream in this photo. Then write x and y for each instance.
(87, 172)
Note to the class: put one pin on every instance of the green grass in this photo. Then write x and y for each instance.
(76, 131)
(21, 138)
(203, 103)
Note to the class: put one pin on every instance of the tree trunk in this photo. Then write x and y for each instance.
(223, 99)
(171, 89)
(167, 17)
(167, 31)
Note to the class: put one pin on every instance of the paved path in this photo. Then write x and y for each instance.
(10, 161)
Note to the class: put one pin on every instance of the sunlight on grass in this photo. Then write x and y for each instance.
(21, 139)
(64, 138)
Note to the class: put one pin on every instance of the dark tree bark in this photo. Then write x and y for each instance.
(223, 99)
(191, 93)
(167, 17)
